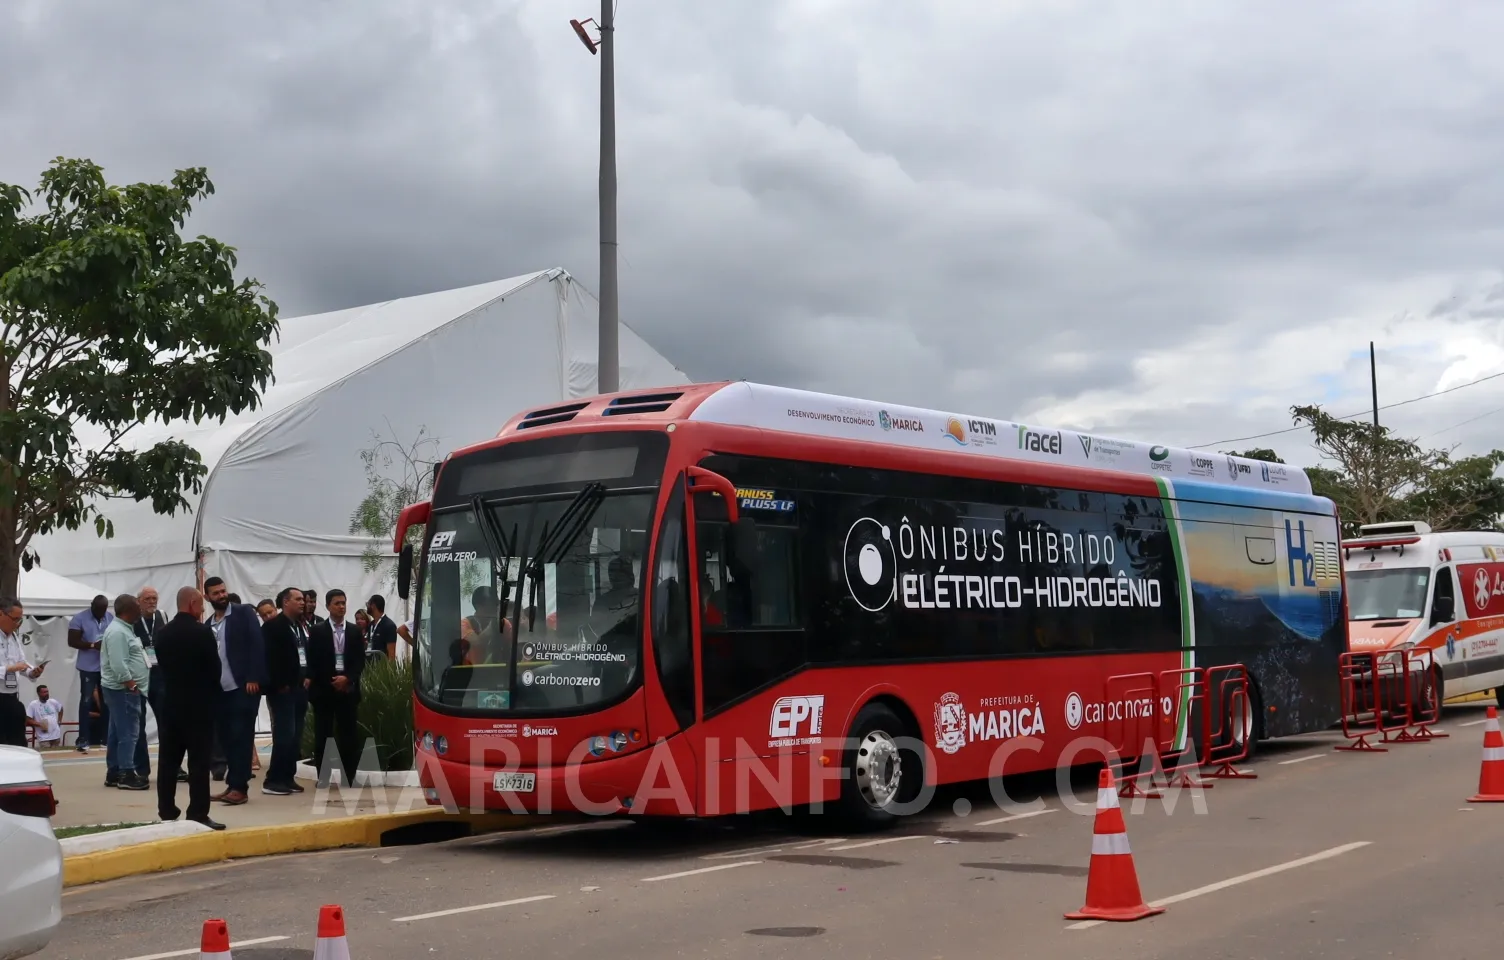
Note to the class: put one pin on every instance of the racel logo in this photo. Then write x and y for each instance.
(950, 724)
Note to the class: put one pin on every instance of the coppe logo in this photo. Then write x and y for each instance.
(871, 564)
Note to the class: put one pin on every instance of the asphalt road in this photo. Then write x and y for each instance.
(1326, 855)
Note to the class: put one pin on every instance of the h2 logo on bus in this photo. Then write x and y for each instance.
(1298, 552)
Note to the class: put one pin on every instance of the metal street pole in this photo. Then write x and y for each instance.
(608, 372)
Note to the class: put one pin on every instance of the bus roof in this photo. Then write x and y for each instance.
(760, 406)
(848, 418)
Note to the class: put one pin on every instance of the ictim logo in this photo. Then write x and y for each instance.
(956, 430)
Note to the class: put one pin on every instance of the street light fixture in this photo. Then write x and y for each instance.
(608, 364)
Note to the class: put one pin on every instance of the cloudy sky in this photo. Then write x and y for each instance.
(1159, 220)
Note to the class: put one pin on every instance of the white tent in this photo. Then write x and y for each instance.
(284, 480)
(50, 601)
(46, 594)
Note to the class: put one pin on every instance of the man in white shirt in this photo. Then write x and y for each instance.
(45, 715)
(13, 663)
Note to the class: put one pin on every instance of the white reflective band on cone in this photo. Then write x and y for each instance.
(1107, 798)
(1109, 844)
(1492, 724)
(1493, 753)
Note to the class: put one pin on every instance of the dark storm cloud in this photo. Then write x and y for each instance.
(1155, 219)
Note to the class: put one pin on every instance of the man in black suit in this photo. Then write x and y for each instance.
(188, 657)
(383, 631)
(286, 646)
(336, 656)
(242, 658)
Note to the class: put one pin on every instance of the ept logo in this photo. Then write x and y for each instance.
(791, 713)
(442, 540)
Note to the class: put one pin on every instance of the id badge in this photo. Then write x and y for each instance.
(339, 663)
(302, 657)
(151, 658)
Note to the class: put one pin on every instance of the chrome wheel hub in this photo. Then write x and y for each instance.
(879, 769)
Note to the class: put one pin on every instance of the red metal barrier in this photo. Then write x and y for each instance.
(1373, 685)
(1422, 695)
(1185, 689)
(1233, 699)
(1124, 701)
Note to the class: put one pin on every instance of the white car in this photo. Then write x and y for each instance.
(31, 885)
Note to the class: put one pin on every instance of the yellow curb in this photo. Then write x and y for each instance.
(331, 834)
(1471, 697)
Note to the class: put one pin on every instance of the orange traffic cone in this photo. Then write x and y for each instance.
(1112, 885)
(215, 941)
(1491, 777)
(331, 944)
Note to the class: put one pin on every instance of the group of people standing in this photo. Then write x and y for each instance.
(204, 677)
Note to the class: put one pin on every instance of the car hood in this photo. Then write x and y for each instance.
(1364, 635)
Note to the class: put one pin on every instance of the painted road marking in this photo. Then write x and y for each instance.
(875, 843)
(691, 873)
(1016, 816)
(1309, 756)
(1244, 878)
(188, 953)
(1473, 723)
(478, 906)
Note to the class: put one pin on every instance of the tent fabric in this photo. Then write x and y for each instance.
(285, 479)
(46, 594)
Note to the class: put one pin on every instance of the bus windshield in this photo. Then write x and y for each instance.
(530, 595)
(1398, 594)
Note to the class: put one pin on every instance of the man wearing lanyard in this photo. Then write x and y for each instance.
(336, 656)
(152, 620)
(13, 661)
(287, 691)
(242, 660)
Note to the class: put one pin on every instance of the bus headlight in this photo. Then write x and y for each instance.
(428, 740)
(618, 741)
(598, 746)
(442, 745)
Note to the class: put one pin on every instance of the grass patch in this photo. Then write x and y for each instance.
(63, 833)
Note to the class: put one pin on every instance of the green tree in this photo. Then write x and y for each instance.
(1380, 477)
(111, 318)
(398, 475)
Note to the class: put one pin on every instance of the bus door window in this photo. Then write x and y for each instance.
(1443, 598)
(750, 622)
(673, 649)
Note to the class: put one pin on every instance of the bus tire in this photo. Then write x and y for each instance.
(1247, 728)
(881, 772)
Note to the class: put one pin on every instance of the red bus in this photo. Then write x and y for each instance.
(729, 597)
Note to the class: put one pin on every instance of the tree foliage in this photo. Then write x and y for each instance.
(398, 475)
(111, 319)
(1379, 477)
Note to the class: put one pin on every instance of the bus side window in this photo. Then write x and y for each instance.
(672, 648)
(1444, 598)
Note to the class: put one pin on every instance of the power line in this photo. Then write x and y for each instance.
(1465, 422)
(1361, 413)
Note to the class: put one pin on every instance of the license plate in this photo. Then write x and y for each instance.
(516, 782)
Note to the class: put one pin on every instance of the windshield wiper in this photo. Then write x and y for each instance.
(496, 540)
(555, 543)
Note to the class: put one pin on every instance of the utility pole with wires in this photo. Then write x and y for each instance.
(1373, 379)
(608, 378)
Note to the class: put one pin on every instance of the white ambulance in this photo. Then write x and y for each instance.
(1408, 587)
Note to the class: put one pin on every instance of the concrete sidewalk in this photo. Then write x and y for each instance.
(84, 800)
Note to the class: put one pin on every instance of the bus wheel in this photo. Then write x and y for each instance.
(1242, 722)
(884, 774)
